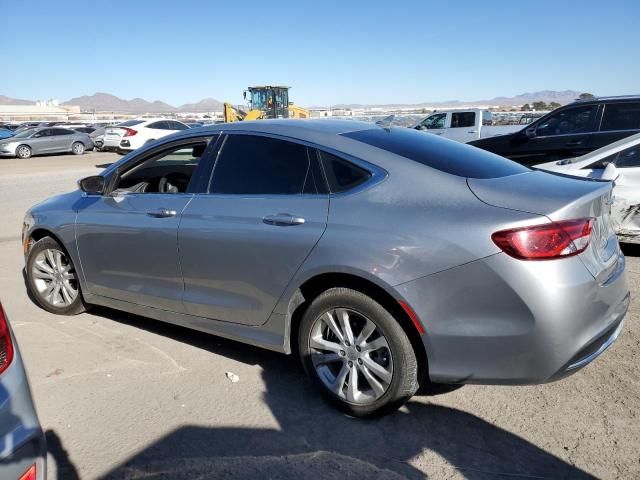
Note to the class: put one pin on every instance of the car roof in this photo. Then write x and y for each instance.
(610, 99)
(293, 126)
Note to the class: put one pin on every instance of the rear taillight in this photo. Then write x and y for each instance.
(6, 345)
(545, 242)
(31, 474)
(129, 132)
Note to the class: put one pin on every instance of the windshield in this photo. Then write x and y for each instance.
(25, 133)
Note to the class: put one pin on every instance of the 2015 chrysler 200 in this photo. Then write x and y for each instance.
(386, 257)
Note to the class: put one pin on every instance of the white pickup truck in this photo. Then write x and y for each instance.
(464, 125)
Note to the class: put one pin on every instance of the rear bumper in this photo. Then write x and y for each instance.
(499, 320)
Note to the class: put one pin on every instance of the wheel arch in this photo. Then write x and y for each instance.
(38, 234)
(314, 286)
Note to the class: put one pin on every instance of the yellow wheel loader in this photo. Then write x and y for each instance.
(265, 102)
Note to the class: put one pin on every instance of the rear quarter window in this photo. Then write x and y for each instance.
(435, 152)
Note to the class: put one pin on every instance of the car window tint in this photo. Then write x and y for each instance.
(621, 116)
(629, 158)
(568, 121)
(177, 126)
(62, 131)
(260, 165)
(463, 119)
(341, 174)
(435, 152)
(314, 183)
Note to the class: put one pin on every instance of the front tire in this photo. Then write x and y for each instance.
(356, 353)
(23, 151)
(52, 278)
(77, 148)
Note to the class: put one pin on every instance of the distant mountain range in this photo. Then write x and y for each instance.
(105, 102)
(547, 96)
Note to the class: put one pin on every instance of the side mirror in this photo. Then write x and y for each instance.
(530, 132)
(92, 185)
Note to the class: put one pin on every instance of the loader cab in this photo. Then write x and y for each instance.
(272, 101)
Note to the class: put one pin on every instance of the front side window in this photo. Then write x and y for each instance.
(42, 133)
(254, 165)
(168, 171)
(158, 125)
(463, 119)
(61, 131)
(434, 121)
(568, 121)
(177, 126)
(621, 116)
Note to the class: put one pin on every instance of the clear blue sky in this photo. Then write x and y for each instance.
(329, 51)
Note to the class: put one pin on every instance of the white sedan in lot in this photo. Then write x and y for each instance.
(620, 162)
(131, 134)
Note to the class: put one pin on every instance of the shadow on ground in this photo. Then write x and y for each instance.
(315, 441)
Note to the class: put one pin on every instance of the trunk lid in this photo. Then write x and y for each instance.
(560, 197)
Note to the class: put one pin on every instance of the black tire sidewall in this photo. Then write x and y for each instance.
(405, 379)
(78, 304)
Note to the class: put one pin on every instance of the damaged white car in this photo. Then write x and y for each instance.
(619, 162)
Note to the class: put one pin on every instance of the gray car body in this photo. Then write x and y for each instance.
(412, 233)
(47, 144)
(21, 436)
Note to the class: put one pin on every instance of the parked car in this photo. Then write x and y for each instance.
(97, 136)
(38, 141)
(24, 452)
(6, 133)
(132, 134)
(463, 125)
(619, 162)
(389, 257)
(569, 131)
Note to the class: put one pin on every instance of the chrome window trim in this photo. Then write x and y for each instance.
(378, 174)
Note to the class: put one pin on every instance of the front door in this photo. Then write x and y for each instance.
(563, 135)
(127, 240)
(241, 244)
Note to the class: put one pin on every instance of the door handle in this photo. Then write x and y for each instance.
(574, 143)
(282, 220)
(472, 131)
(162, 213)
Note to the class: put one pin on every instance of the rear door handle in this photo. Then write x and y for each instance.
(282, 220)
(162, 213)
(472, 131)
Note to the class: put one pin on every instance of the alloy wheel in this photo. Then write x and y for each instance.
(78, 148)
(55, 278)
(351, 356)
(24, 152)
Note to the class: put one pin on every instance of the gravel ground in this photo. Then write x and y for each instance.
(121, 396)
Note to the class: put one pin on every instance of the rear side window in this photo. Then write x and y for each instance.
(130, 123)
(253, 165)
(158, 125)
(463, 119)
(435, 152)
(341, 174)
(621, 116)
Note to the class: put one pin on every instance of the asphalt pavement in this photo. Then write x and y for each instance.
(121, 396)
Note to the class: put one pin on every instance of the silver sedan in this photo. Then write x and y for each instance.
(42, 141)
(387, 258)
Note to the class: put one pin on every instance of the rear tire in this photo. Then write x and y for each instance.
(23, 151)
(357, 354)
(52, 278)
(77, 148)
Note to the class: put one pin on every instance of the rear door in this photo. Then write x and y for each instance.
(565, 134)
(619, 120)
(241, 243)
(61, 139)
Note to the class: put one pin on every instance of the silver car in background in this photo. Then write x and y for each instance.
(384, 256)
(45, 140)
(23, 451)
